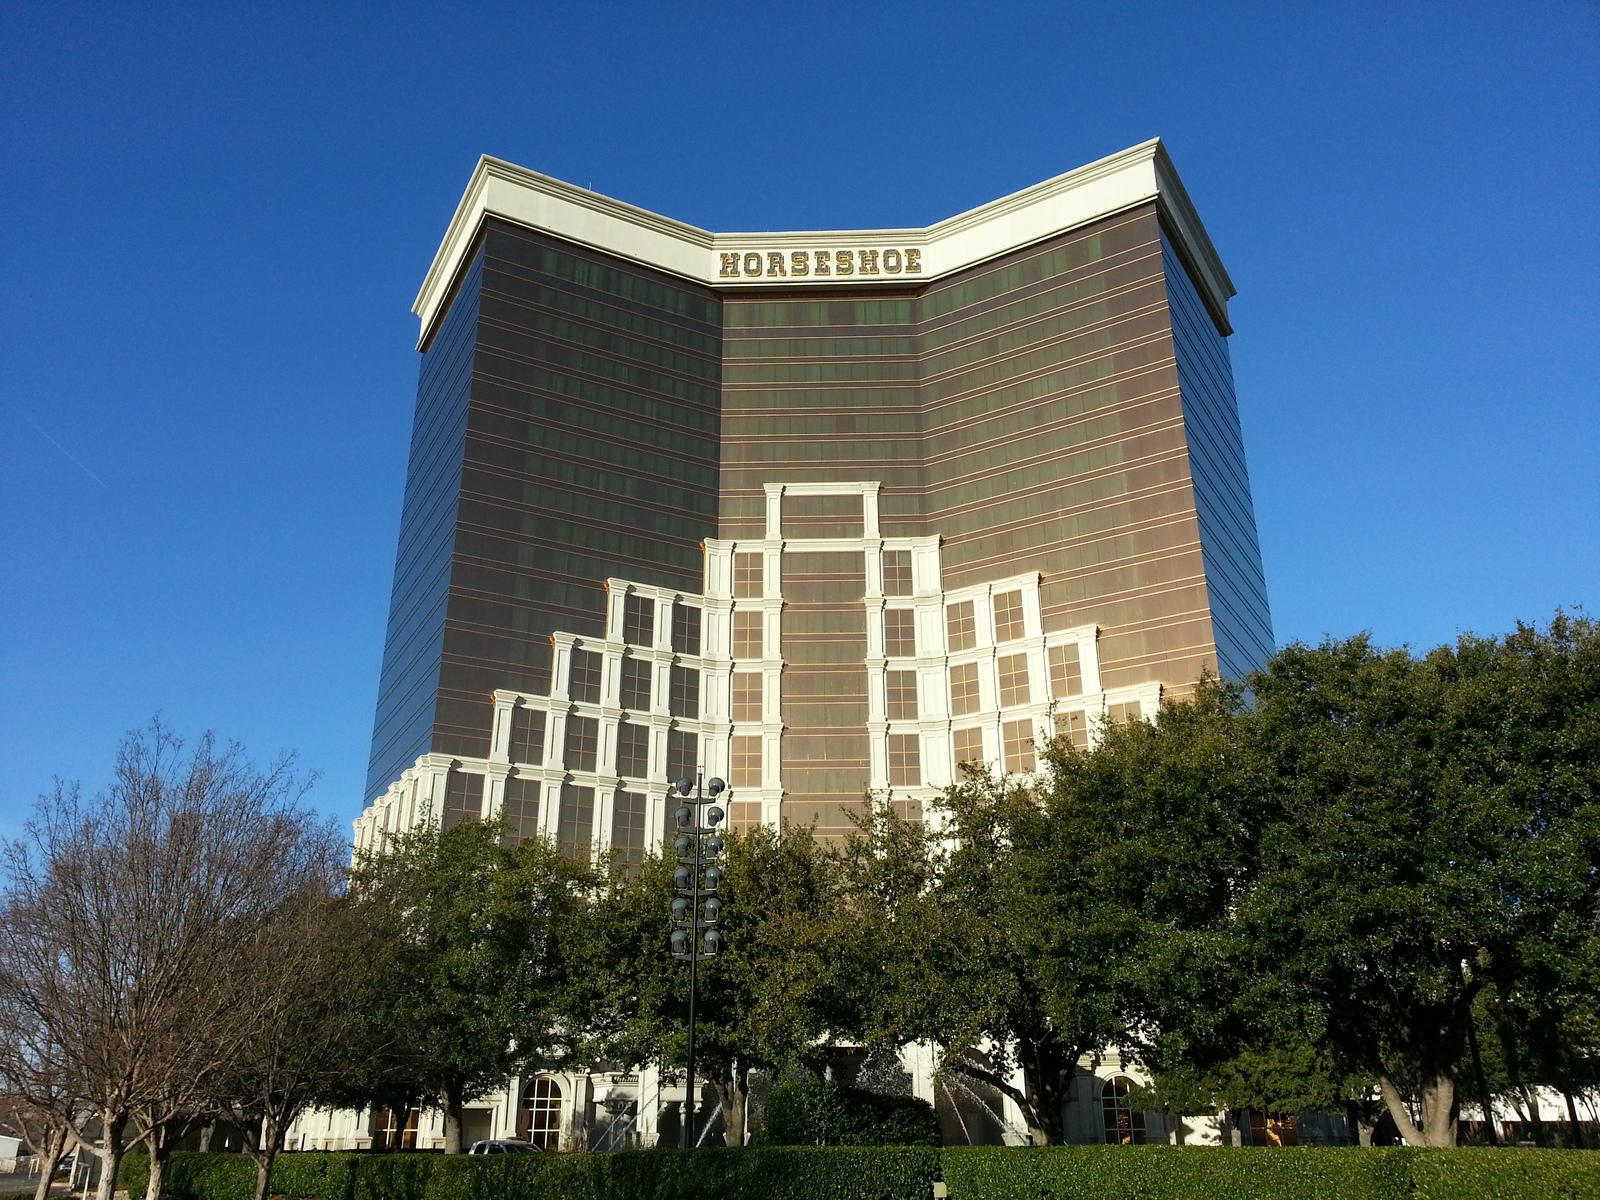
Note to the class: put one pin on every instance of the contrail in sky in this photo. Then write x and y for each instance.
(46, 435)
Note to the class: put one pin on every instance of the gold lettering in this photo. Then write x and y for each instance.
(822, 263)
(913, 262)
(842, 261)
(892, 261)
(775, 263)
(800, 263)
(730, 266)
(869, 262)
(752, 263)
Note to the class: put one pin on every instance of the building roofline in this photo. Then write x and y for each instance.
(1137, 175)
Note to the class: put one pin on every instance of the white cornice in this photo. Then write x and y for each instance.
(1124, 180)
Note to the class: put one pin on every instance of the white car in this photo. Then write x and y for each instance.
(504, 1146)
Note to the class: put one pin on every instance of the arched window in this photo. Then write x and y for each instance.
(1124, 1125)
(541, 1113)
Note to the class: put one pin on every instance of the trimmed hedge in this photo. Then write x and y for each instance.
(820, 1112)
(754, 1173)
(897, 1173)
(1262, 1173)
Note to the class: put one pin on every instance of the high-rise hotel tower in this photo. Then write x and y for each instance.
(826, 513)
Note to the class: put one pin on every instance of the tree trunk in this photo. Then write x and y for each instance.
(1439, 1112)
(1484, 1097)
(110, 1155)
(733, 1093)
(50, 1153)
(1535, 1118)
(264, 1157)
(1396, 1104)
(1572, 1116)
(453, 1105)
(158, 1167)
(206, 1132)
(1046, 1068)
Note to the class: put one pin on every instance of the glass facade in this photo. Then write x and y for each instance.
(881, 533)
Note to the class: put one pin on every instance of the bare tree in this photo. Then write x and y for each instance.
(38, 1100)
(128, 919)
(295, 996)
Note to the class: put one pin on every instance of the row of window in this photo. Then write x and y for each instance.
(749, 578)
(574, 815)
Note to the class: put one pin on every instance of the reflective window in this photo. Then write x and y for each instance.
(897, 572)
(520, 810)
(1121, 714)
(463, 799)
(1008, 625)
(575, 819)
(905, 763)
(583, 741)
(747, 575)
(747, 633)
(527, 736)
(585, 684)
(633, 750)
(638, 620)
(1018, 748)
(636, 684)
(1066, 678)
(901, 687)
(899, 632)
(1013, 675)
(746, 696)
(1073, 727)
(683, 754)
(686, 629)
(627, 826)
(685, 691)
(963, 689)
(746, 762)
(961, 626)
(968, 746)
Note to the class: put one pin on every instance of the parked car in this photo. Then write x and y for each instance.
(504, 1146)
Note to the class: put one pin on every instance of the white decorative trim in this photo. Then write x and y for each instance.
(1138, 175)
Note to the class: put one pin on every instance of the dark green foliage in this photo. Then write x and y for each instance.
(774, 991)
(1307, 1173)
(1483, 1174)
(898, 1173)
(819, 1112)
(133, 1175)
(468, 964)
(756, 1173)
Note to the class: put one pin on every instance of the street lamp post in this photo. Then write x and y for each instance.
(696, 905)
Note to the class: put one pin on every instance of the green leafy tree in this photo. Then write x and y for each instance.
(1431, 828)
(1036, 925)
(470, 943)
(765, 1001)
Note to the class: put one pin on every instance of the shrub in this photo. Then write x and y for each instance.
(896, 1173)
(818, 1112)
(1171, 1173)
(1305, 1173)
(756, 1173)
(134, 1175)
(1506, 1174)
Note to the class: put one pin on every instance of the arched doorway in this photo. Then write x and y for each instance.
(1124, 1125)
(540, 1119)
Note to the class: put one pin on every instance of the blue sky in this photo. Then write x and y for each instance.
(214, 220)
